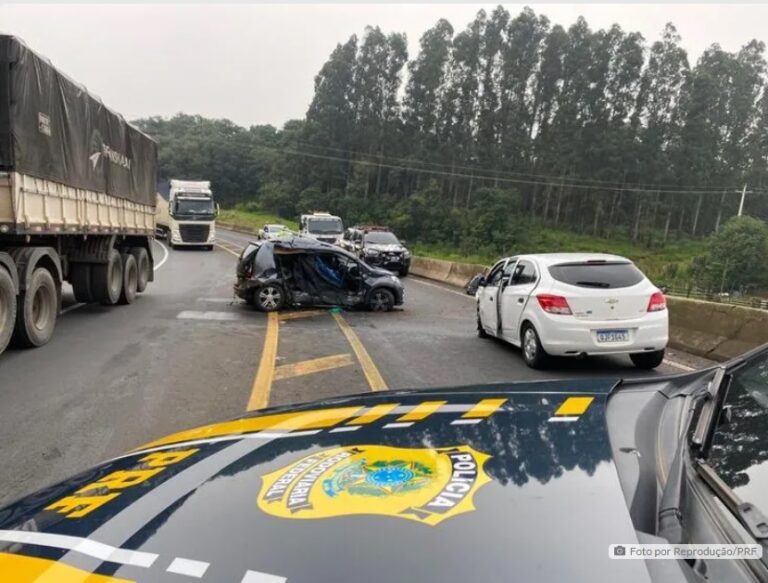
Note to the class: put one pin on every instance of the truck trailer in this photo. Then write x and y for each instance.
(77, 197)
(186, 213)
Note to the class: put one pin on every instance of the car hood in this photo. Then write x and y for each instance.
(511, 482)
(386, 248)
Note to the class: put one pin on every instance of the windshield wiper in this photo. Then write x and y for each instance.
(747, 513)
(705, 426)
(593, 283)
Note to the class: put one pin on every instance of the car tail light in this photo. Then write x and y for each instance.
(554, 304)
(657, 303)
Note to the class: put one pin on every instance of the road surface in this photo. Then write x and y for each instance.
(187, 353)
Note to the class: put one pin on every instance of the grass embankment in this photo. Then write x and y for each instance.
(667, 264)
(253, 220)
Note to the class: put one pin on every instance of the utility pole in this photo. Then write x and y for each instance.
(743, 196)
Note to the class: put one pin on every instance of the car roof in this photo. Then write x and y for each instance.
(557, 258)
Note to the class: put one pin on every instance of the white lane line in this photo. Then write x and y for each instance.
(165, 257)
(345, 429)
(259, 577)
(563, 419)
(440, 287)
(398, 425)
(97, 550)
(465, 421)
(678, 365)
(72, 307)
(209, 316)
(188, 567)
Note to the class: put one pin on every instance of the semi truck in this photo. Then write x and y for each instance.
(77, 198)
(186, 213)
(322, 226)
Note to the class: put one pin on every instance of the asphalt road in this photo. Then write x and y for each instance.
(186, 353)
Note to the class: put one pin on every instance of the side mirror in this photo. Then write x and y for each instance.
(476, 282)
(403, 242)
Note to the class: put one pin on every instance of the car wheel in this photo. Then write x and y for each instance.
(269, 298)
(647, 360)
(381, 300)
(481, 333)
(534, 354)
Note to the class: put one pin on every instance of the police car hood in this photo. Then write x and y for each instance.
(495, 483)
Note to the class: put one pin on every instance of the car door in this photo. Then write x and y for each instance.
(515, 295)
(487, 296)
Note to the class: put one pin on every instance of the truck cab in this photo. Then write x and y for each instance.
(322, 226)
(188, 218)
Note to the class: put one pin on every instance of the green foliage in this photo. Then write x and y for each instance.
(736, 257)
(250, 218)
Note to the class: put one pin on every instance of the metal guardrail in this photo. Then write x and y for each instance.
(745, 301)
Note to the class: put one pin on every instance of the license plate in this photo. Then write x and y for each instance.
(613, 336)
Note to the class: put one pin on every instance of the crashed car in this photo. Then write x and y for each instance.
(294, 271)
(526, 482)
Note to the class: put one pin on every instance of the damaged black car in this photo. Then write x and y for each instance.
(297, 272)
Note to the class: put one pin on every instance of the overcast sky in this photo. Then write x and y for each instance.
(255, 64)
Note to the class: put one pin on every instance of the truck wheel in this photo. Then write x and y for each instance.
(403, 271)
(142, 264)
(130, 279)
(39, 307)
(81, 283)
(107, 279)
(7, 308)
(269, 297)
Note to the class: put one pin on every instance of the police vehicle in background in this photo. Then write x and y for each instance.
(378, 245)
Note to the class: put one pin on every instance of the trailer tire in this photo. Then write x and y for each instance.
(81, 283)
(107, 279)
(37, 311)
(142, 264)
(130, 280)
(7, 308)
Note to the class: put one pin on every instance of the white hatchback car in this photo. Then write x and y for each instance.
(572, 304)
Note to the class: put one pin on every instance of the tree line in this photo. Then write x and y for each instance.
(510, 124)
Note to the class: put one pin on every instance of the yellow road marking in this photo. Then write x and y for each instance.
(304, 367)
(484, 408)
(21, 568)
(304, 314)
(262, 384)
(227, 249)
(372, 374)
(314, 419)
(374, 413)
(422, 411)
(574, 406)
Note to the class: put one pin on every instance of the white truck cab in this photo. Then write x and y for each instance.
(322, 226)
(188, 217)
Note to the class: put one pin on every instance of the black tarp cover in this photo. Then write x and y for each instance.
(52, 128)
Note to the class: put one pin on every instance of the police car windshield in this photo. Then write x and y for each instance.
(381, 238)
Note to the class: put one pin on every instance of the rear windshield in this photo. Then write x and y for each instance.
(604, 274)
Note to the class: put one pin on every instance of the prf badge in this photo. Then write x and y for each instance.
(425, 485)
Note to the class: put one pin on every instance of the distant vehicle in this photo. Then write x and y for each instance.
(480, 483)
(271, 231)
(379, 246)
(187, 217)
(77, 198)
(573, 304)
(297, 271)
(321, 226)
